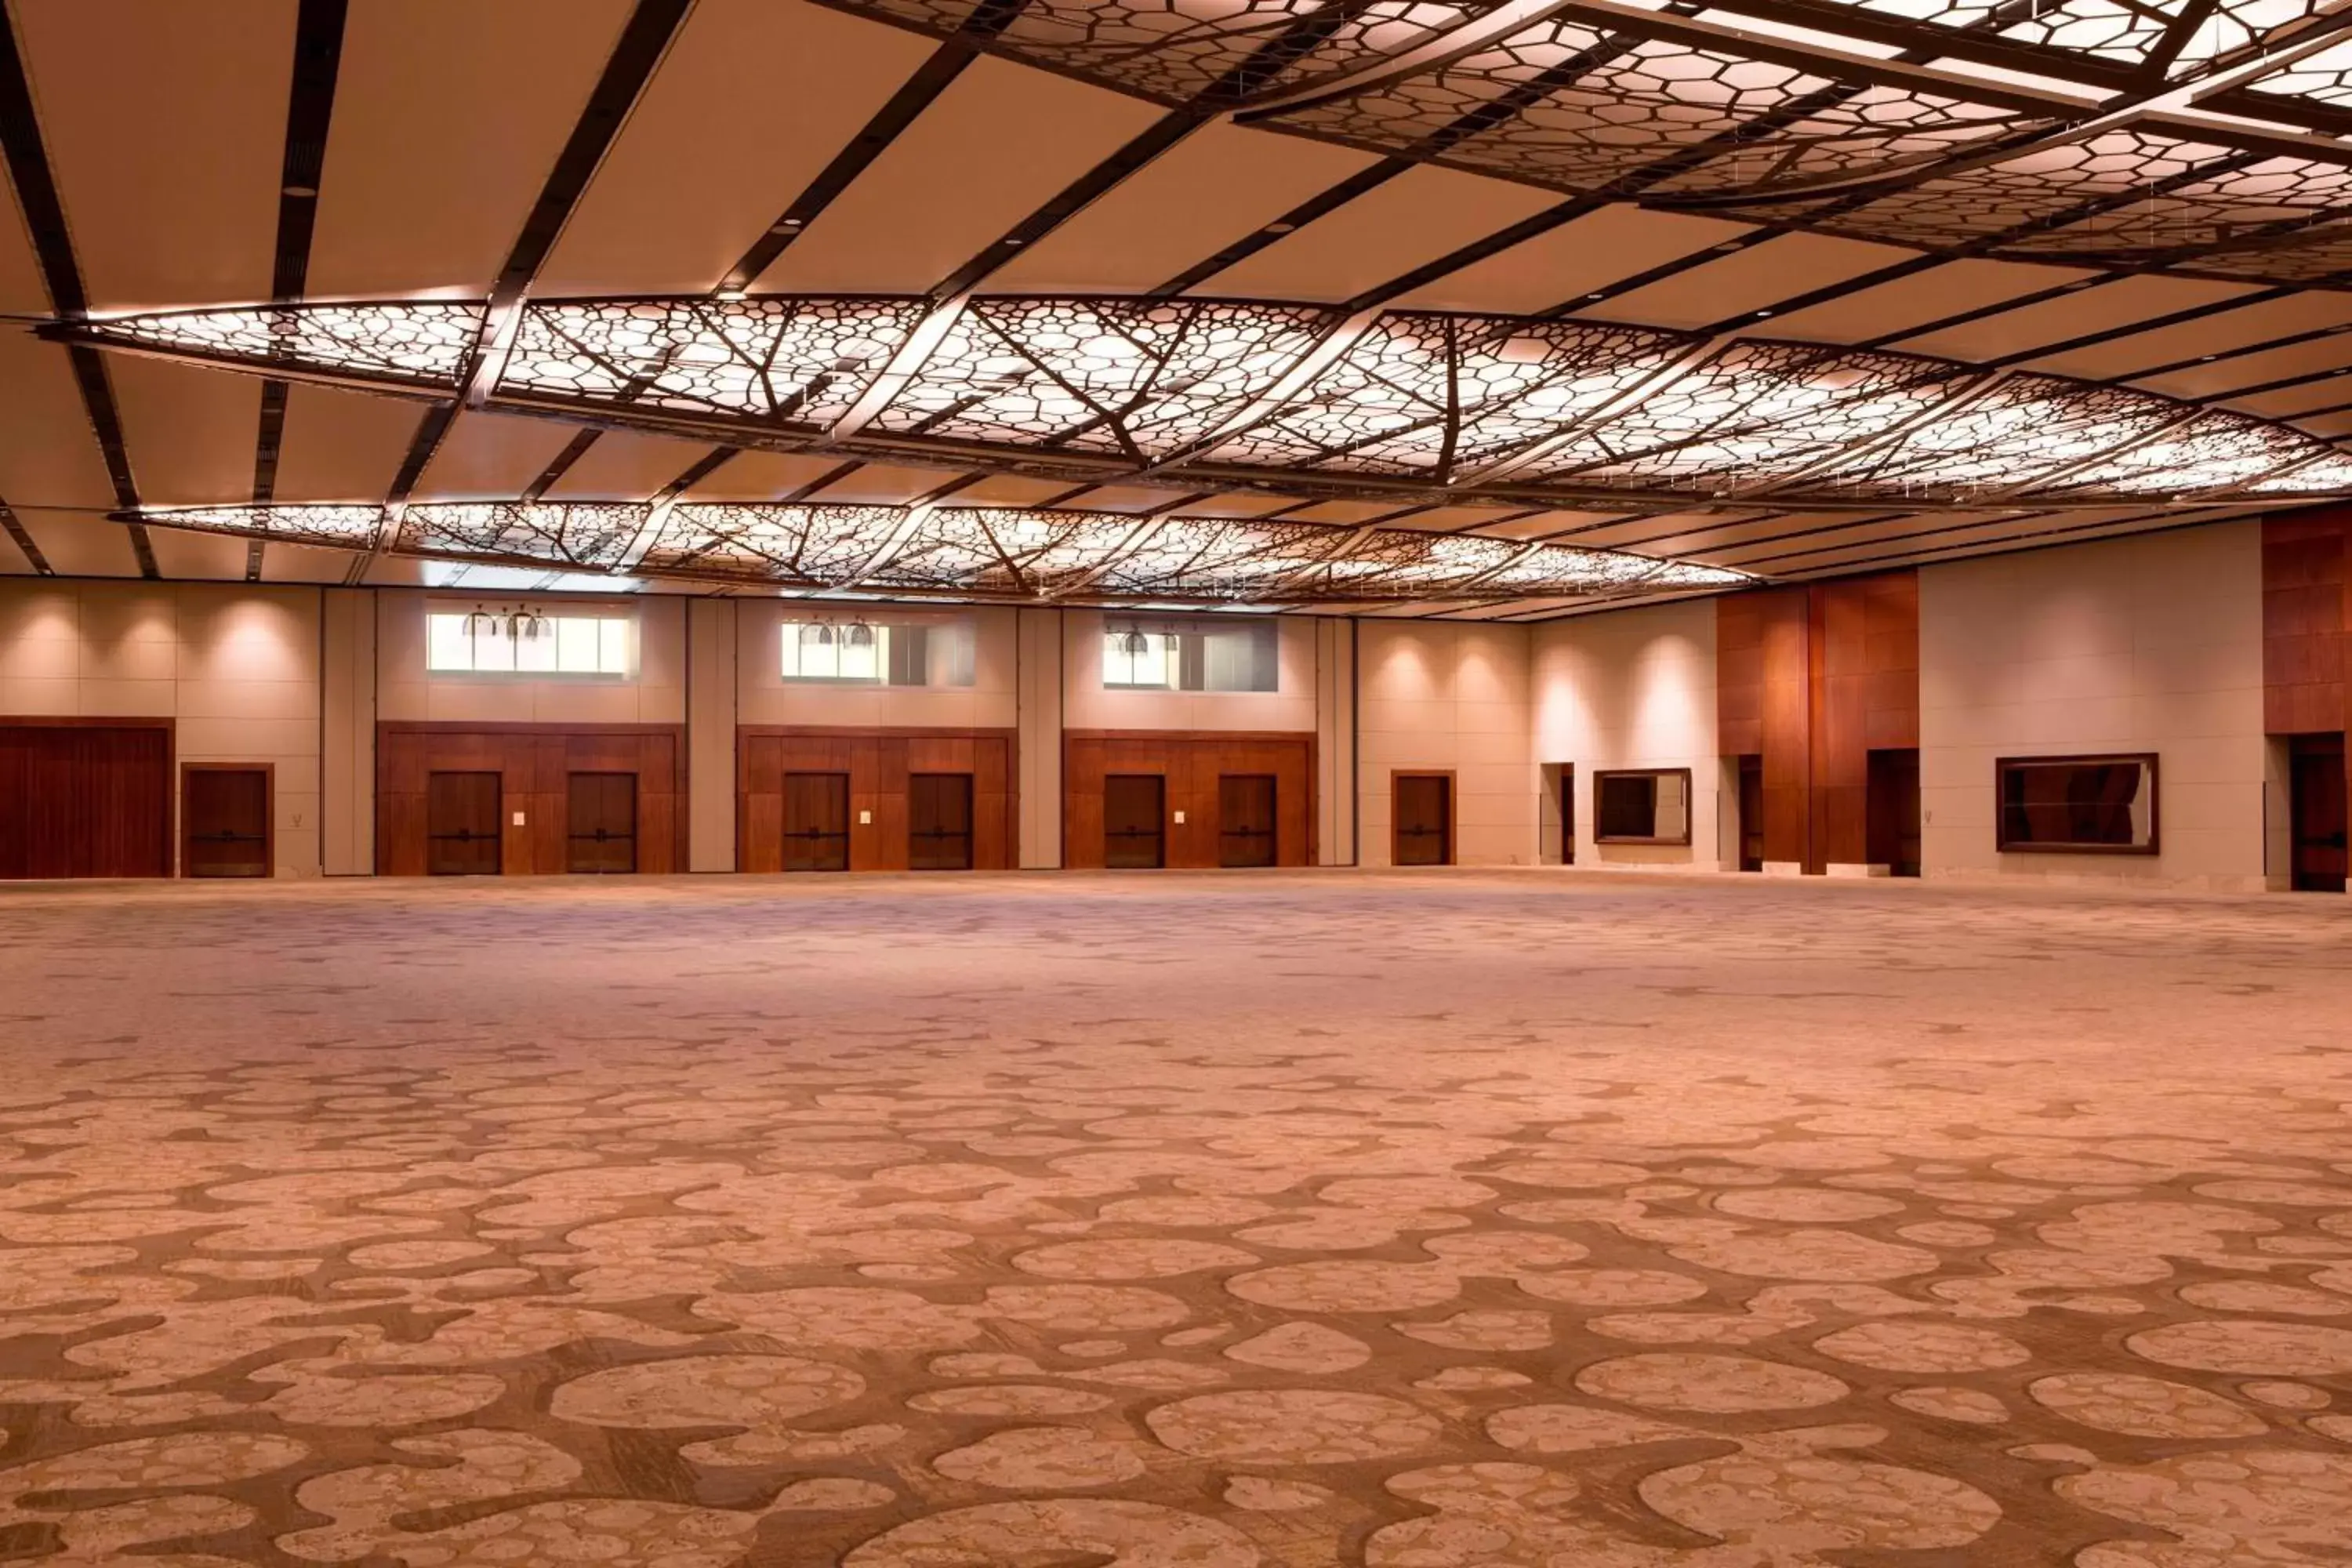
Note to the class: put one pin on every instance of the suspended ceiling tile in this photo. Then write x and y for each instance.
(996, 145)
(762, 476)
(2217, 333)
(2219, 379)
(1124, 499)
(1639, 533)
(165, 124)
(13, 561)
(1797, 533)
(1238, 503)
(2335, 424)
(1348, 513)
(395, 572)
(2072, 315)
(1913, 536)
(1545, 524)
(627, 467)
(79, 545)
(305, 563)
(204, 557)
(1696, 533)
(448, 118)
(1422, 214)
(48, 456)
(675, 202)
(190, 432)
(342, 446)
(23, 291)
(1559, 267)
(493, 456)
(1015, 489)
(2288, 402)
(1886, 310)
(1217, 186)
(1752, 278)
(884, 484)
(1454, 520)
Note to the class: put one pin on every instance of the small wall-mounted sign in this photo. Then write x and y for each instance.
(1179, 820)
(519, 820)
(864, 819)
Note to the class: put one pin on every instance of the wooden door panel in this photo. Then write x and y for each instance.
(2319, 808)
(939, 821)
(601, 825)
(1135, 821)
(816, 822)
(1247, 824)
(225, 822)
(1423, 821)
(463, 824)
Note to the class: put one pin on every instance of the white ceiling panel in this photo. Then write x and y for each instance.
(304, 563)
(80, 545)
(448, 117)
(627, 467)
(48, 456)
(1217, 186)
(207, 556)
(1421, 215)
(165, 124)
(762, 476)
(189, 433)
(342, 446)
(1560, 266)
(678, 201)
(884, 484)
(492, 457)
(995, 146)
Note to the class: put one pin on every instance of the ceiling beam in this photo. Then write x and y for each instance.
(24, 541)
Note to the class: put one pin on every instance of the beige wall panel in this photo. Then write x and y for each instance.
(1335, 741)
(342, 446)
(1040, 683)
(1754, 278)
(50, 455)
(181, 554)
(79, 545)
(2137, 645)
(448, 115)
(165, 124)
(626, 468)
(492, 457)
(406, 691)
(1086, 705)
(1449, 696)
(2217, 333)
(994, 147)
(190, 432)
(764, 697)
(1421, 215)
(677, 202)
(1906, 303)
(1560, 267)
(2071, 316)
(347, 726)
(762, 476)
(1219, 184)
(1633, 688)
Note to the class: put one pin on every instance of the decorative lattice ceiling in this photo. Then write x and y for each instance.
(1291, 398)
(972, 553)
(2197, 136)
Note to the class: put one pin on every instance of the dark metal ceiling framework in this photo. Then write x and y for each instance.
(1290, 398)
(44, 222)
(966, 553)
(2169, 136)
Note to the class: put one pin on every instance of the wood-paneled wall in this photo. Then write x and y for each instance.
(878, 762)
(534, 763)
(1191, 761)
(85, 797)
(2306, 615)
(1813, 680)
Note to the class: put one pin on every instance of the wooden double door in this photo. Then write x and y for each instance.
(871, 800)
(529, 799)
(1138, 800)
(2319, 808)
(85, 800)
(226, 819)
(1422, 819)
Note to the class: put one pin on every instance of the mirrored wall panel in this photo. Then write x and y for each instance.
(1641, 806)
(2077, 806)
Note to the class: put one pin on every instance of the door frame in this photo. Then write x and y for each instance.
(1452, 813)
(171, 728)
(268, 772)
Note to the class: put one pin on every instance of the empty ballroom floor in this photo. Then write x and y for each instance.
(1200, 1220)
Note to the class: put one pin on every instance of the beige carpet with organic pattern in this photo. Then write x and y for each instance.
(1184, 1221)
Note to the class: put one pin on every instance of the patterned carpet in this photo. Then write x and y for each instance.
(1198, 1220)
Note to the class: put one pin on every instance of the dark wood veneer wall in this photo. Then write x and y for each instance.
(85, 797)
(1191, 761)
(2307, 642)
(879, 763)
(534, 763)
(1812, 679)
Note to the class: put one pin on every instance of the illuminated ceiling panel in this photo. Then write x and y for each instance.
(1292, 398)
(985, 552)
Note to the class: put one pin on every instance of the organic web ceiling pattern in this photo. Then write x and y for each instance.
(966, 553)
(2201, 136)
(1290, 398)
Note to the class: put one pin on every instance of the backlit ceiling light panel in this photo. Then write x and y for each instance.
(1292, 398)
(966, 553)
(2209, 139)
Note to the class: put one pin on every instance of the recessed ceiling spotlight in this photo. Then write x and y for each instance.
(1280, 227)
(790, 223)
(730, 294)
(301, 189)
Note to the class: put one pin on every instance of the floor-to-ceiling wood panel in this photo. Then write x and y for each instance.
(85, 797)
(1192, 767)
